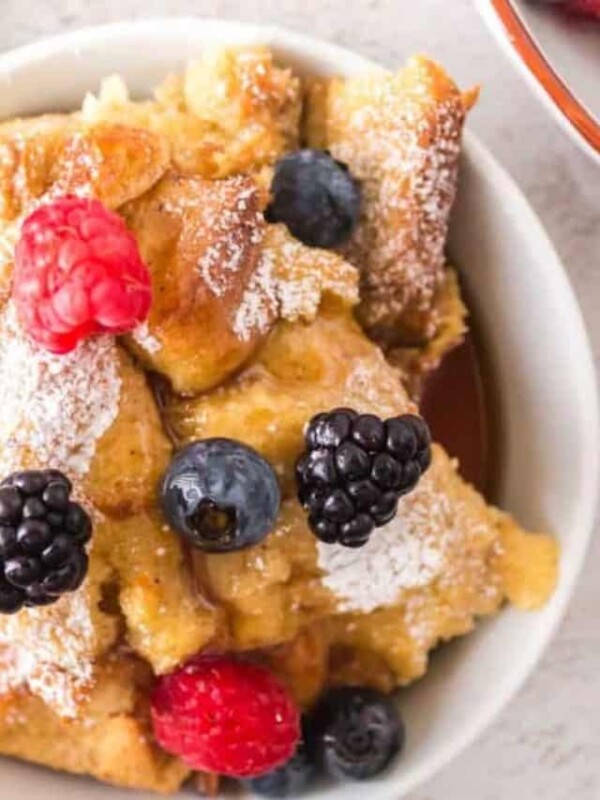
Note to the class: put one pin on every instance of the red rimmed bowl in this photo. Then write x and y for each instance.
(559, 54)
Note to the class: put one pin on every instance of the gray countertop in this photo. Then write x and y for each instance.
(547, 743)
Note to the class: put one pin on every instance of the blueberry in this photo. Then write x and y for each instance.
(358, 731)
(221, 495)
(316, 197)
(293, 777)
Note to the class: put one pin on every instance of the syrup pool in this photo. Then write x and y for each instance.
(455, 403)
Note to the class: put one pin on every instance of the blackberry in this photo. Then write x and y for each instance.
(354, 470)
(42, 539)
(358, 731)
(316, 197)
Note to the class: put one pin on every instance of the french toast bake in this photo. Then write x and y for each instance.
(212, 395)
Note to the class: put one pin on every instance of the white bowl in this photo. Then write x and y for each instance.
(535, 339)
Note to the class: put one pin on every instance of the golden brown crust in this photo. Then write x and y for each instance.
(134, 452)
(202, 243)
(112, 743)
(57, 155)
(416, 363)
(400, 135)
(232, 111)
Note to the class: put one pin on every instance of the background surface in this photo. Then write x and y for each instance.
(547, 743)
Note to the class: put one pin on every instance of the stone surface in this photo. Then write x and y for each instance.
(546, 745)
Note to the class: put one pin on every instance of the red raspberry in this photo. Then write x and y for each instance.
(590, 8)
(78, 272)
(226, 716)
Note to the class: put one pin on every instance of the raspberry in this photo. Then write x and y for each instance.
(78, 272)
(227, 716)
(590, 8)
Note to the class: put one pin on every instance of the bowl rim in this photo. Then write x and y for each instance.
(346, 61)
(506, 21)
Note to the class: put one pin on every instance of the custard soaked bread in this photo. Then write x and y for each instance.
(155, 429)
(425, 577)
(232, 111)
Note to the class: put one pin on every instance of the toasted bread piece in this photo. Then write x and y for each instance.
(89, 413)
(58, 155)
(232, 111)
(424, 577)
(167, 618)
(202, 242)
(55, 648)
(113, 743)
(302, 664)
(417, 362)
(221, 278)
(400, 135)
(133, 453)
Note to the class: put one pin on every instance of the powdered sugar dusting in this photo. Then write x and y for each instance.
(234, 227)
(259, 303)
(145, 339)
(402, 139)
(290, 282)
(54, 408)
(51, 651)
(54, 411)
(439, 541)
(407, 553)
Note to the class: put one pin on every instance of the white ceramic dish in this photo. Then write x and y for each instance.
(534, 335)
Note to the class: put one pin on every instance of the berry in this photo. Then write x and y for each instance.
(355, 468)
(42, 539)
(221, 495)
(78, 272)
(357, 732)
(293, 777)
(589, 8)
(316, 197)
(224, 715)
